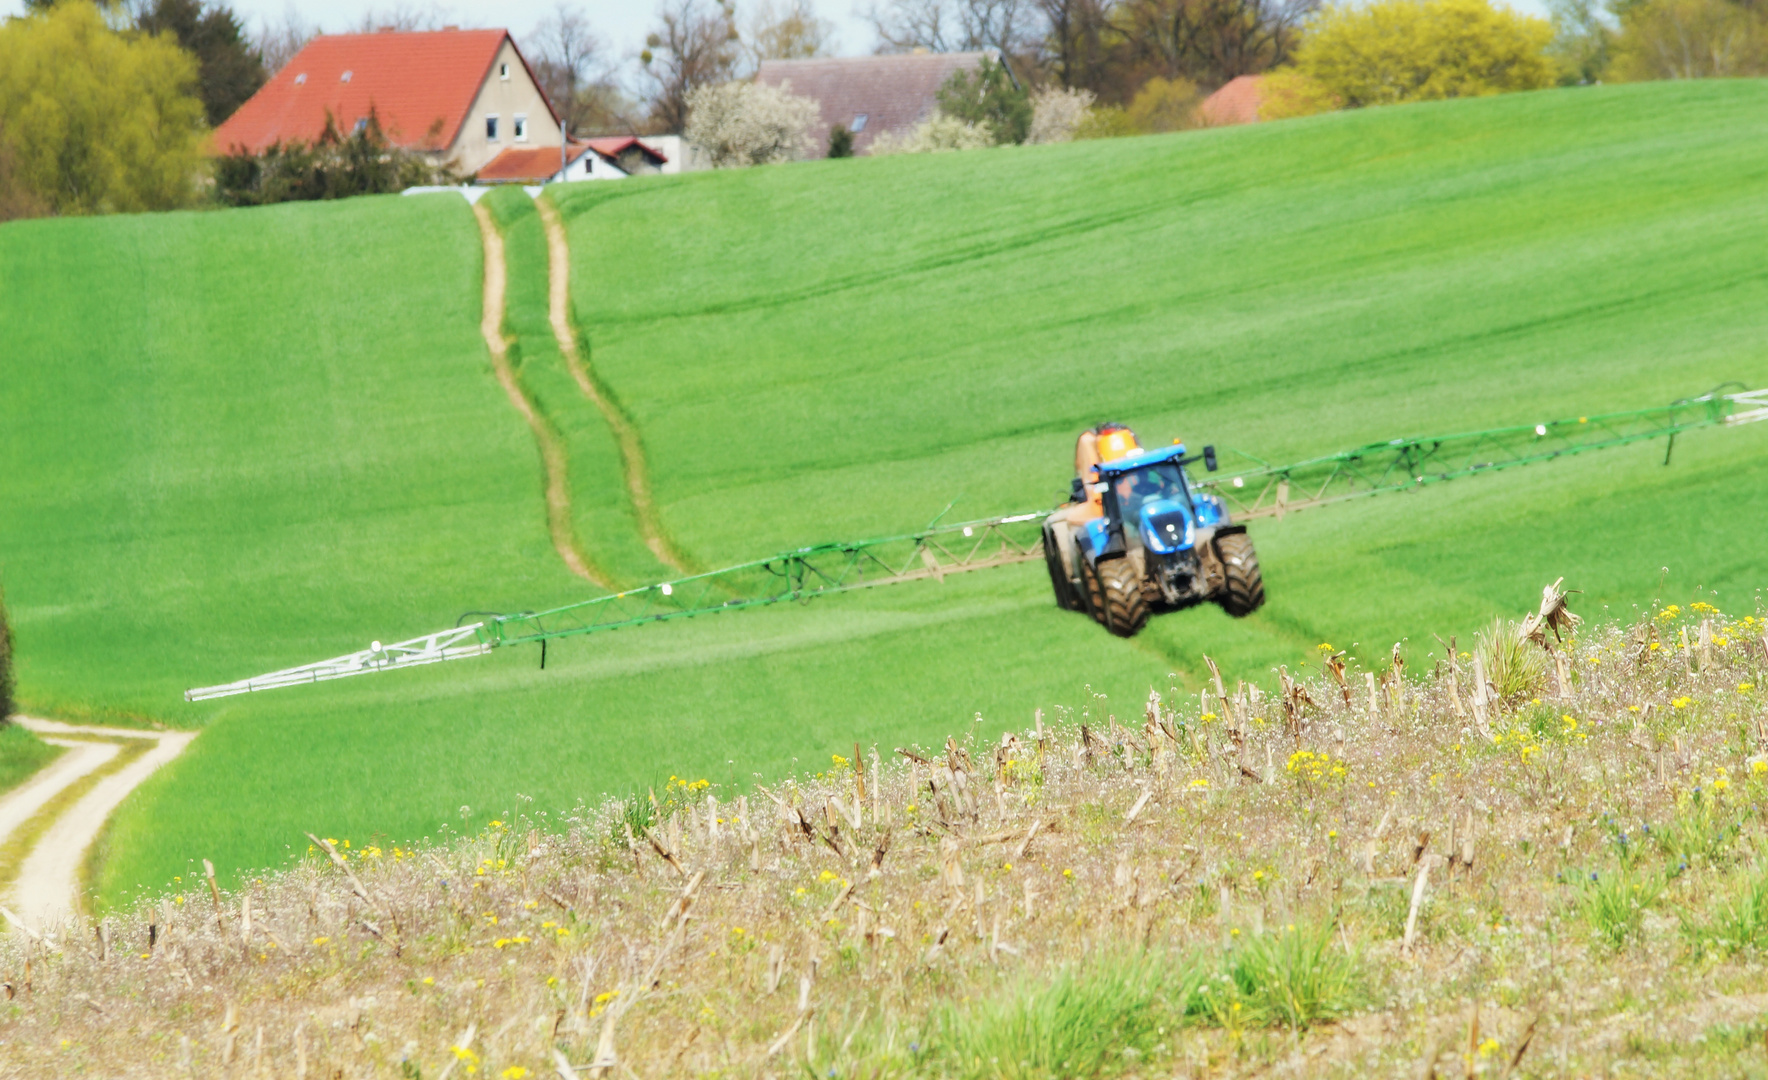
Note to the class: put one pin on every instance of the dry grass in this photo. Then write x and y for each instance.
(1287, 885)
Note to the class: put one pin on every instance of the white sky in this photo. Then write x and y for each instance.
(621, 24)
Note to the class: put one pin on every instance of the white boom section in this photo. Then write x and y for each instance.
(456, 644)
(1757, 403)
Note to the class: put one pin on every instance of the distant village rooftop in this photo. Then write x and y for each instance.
(869, 95)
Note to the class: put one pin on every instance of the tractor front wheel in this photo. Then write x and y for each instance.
(1066, 597)
(1125, 609)
(1244, 590)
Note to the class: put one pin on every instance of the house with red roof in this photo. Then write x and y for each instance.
(611, 158)
(1237, 102)
(461, 97)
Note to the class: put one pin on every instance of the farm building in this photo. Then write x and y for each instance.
(592, 159)
(461, 97)
(869, 95)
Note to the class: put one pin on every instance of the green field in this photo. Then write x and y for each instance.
(239, 441)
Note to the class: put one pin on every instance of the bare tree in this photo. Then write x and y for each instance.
(405, 16)
(695, 44)
(1080, 45)
(1012, 26)
(278, 42)
(571, 65)
(1212, 41)
(791, 31)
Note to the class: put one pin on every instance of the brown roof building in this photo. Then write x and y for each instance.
(1236, 102)
(869, 95)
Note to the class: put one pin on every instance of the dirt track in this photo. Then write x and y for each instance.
(46, 891)
(552, 449)
(632, 453)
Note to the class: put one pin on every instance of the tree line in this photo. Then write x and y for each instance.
(107, 108)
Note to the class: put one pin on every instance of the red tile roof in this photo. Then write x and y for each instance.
(615, 145)
(1235, 103)
(526, 164)
(419, 84)
(894, 93)
(536, 164)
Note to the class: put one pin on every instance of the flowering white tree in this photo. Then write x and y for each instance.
(1056, 113)
(935, 135)
(745, 123)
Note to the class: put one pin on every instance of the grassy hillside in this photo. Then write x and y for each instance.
(832, 350)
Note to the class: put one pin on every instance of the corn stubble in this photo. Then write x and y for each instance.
(1319, 882)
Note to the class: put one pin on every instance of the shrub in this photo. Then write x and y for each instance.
(840, 141)
(938, 134)
(1392, 51)
(744, 123)
(336, 166)
(1285, 95)
(1164, 105)
(1057, 113)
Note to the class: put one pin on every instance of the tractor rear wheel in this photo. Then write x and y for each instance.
(1092, 591)
(1125, 609)
(1244, 590)
(1067, 598)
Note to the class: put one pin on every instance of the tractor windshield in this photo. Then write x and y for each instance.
(1136, 489)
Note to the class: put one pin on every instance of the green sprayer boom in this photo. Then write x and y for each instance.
(938, 550)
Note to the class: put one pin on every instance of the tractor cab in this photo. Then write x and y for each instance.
(1151, 493)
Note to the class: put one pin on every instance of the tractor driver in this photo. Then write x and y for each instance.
(1137, 489)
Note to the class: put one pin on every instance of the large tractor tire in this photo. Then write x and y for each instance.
(1125, 609)
(1092, 591)
(1244, 591)
(1067, 597)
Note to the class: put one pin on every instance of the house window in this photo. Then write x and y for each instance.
(859, 123)
(362, 123)
(491, 127)
(301, 78)
(521, 128)
(345, 77)
(503, 71)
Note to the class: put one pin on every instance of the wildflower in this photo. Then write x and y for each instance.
(1200, 784)
(826, 875)
(1759, 767)
(1332, 834)
(1682, 702)
(1632, 708)
(1068, 873)
(429, 980)
(514, 1072)
(1206, 717)
(531, 905)
(461, 1053)
(1008, 867)
(1235, 932)
(1488, 1048)
(799, 891)
(548, 925)
(1324, 647)
(318, 941)
(1744, 687)
(737, 931)
(1655, 646)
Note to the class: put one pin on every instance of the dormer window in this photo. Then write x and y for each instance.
(345, 77)
(490, 127)
(503, 71)
(301, 78)
(859, 123)
(361, 124)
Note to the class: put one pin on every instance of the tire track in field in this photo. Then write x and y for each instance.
(553, 460)
(632, 451)
(46, 891)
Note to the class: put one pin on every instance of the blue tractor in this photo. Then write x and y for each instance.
(1138, 537)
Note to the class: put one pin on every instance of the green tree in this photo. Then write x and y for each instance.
(1391, 51)
(93, 121)
(1690, 39)
(840, 141)
(988, 96)
(1582, 42)
(231, 70)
